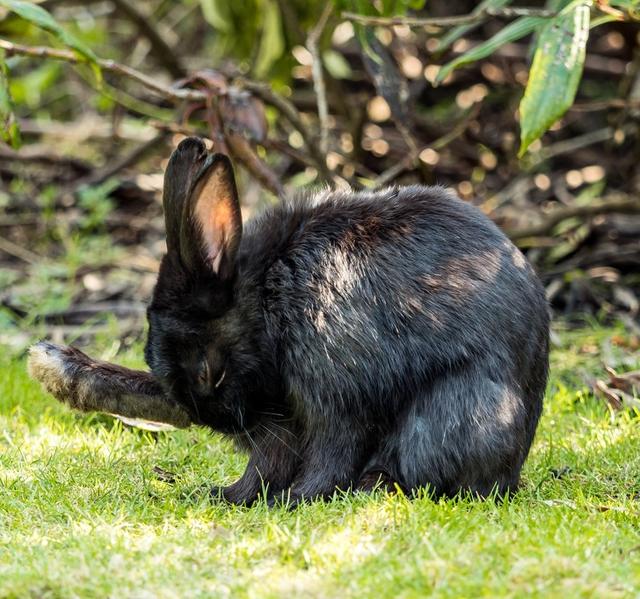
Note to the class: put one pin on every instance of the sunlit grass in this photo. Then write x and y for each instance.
(82, 512)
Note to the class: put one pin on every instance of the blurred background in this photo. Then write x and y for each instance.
(304, 94)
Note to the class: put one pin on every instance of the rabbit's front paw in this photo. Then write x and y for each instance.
(233, 495)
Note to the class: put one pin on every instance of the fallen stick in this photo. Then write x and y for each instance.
(91, 385)
(620, 204)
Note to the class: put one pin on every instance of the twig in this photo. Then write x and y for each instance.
(289, 111)
(507, 13)
(163, 52)
(522, 183)
(581, 141)
(517, 187)
(130, 159)
(176, 95)
(81, 312)
(393, 171)
(604, 104)
(594, 62)
(13, 249)
(172, 94)
(242, 151)
(618, 204)
(283, 147)
(174, 128)
(20, 220)
(32, 154)
(86, 128)
(318, 75)
(411, 159)
(611, 255)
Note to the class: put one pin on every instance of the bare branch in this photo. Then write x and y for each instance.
(37, 154)
(163, 52)
(290, 112)
(13, 249)
(179, 95)
(241, 150)
(318, 76)
(507, 13)
(596, 105)
(620, 204)
(127, 161)
(172, 94)
(411, 159)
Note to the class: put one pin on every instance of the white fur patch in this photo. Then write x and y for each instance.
(47, 366)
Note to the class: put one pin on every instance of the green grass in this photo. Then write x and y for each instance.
(82, 513)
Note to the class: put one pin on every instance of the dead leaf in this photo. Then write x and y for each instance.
(632, 342)
(629, 382)
(621, 391)
(164, 475)
(243, 113)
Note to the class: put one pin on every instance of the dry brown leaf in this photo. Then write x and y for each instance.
(621, 391)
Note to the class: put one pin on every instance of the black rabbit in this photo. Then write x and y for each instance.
(348, 338)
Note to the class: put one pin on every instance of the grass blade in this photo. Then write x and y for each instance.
(457, 32)
(9, 131)
(514, 31)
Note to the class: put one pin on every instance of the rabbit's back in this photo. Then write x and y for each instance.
(371, 294)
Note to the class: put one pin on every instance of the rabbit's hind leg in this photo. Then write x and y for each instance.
(468, 431)
(332, 460)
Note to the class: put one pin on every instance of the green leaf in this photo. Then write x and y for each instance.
(216, 13)
(388, 7)
(9, 130)
(457, 32)
(602, 20)
(30, 86)
(363, 7)
(555, 73)
(41, 18)
(272, 40)
(625, 4)
(383, 70)
(396, 8)
(336, 64)
(631, 7)
(519, 28)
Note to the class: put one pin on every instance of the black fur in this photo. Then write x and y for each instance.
(394, 334)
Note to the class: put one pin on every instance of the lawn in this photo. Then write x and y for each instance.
(90, 508)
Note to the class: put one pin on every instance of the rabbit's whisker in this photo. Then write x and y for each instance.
(281, 440)
(195, 404)
(283, 429)
(253, 443)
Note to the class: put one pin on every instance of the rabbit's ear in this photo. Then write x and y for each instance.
(212, 225)
(180, 169)
(172, 208)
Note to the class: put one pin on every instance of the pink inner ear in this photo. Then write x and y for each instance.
(217, 215)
